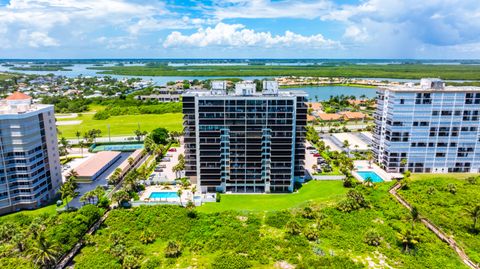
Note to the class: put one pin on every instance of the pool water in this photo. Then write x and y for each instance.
(118, 147)
(163, 195)
(370, 174)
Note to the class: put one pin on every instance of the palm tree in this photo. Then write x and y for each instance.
(82, 145)
(120, 197)
(474, 213)
(408, 239)
(346, 145)
(179, 193)
(369, 158)
(72, 173)
(368, 182)
(67, 190)
(414, 215)
(44, 253)
(78, 134)
(130, 161)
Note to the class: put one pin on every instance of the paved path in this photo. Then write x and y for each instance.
(103, 139)
(437, 231)
(68, 257)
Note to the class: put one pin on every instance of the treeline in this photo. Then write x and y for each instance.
(137, 110)
(29, 241)
(67, 105)
(403, 71)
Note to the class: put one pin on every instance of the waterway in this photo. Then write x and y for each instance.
(320, 93)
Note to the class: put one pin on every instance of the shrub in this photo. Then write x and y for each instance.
(372, 238)
(293, 227)
(452, 188)
(278, 219)
(101, 115)
(172, 250)
(230, 261)
(311, 234)
(218, 197)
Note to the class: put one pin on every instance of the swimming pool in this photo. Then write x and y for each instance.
(163, 195)
(370, 174)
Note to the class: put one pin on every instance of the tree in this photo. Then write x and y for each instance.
(179, 193)
(474, 213)
(370, 157)
(81, 144)
(139, 134)
(63, 147)
(159, 135)
(172, 250)
(368, 182)
(78, 134)
(414, 216)
(121, 197)
(68, 191)
(44, 253)
(346, 145)
(408, 239)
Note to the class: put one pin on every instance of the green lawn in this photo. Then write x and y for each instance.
(49, 209)
(122, 125)
(313, 191)
(430, 194)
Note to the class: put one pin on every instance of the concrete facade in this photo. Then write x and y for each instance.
(432, 127)
(30, 171)
(245, 141)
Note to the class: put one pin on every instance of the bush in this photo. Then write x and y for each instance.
(172, 250)
(230, 261)
(218, 197)
(372, 238)
(101, 115)
(293, 227)
(278, 219)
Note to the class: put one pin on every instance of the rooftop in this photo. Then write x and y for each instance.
(18, 96)
(95, 163)
(430, 85)
(206, 92)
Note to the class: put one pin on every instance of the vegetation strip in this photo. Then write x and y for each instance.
(437, 231)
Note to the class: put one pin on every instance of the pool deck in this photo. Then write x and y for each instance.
(365, 166)
(145, 196)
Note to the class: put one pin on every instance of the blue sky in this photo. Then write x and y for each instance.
(427, 29)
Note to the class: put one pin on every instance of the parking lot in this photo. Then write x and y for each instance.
(312, 157)
(163, 172)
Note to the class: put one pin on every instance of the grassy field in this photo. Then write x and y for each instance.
(122, 125)
(4, 76)
(430, 193)
(407, 71)
(313, 191)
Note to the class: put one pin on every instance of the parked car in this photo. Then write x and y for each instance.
(316, 155)
(310, 147)
(314, 151)
(162, 166)
(173, 150)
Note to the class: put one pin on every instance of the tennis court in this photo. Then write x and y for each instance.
(117, 147)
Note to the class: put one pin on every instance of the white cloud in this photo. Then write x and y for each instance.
(236, 35)
(356, 33)
(270, 9)
(37, 39)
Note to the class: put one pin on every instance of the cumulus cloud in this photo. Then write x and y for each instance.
(236, 35)
(37, 39)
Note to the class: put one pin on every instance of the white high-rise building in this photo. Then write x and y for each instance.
(428, 128)
(29, 163)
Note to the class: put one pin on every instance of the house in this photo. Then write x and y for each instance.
(329, 116)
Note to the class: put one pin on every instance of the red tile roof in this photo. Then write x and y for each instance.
(329, 116)
(18, 96)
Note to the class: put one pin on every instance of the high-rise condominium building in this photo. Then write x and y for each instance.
(245, 141)
(29, 162)
(430, 128)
